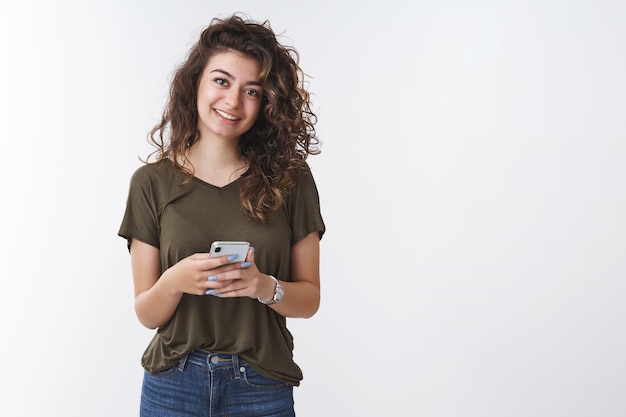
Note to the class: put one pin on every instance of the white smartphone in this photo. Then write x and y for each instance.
(223, 248)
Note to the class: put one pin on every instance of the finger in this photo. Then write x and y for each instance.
(250, 256)
(229, 293)
(214, 263)
(249, 259)
(232, 275)
(216, 287)
(221, 280)
(199, 256)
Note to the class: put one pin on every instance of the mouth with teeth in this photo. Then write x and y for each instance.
(226, 115)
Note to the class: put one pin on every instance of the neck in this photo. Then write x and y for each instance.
(215, 152)
(216, 162)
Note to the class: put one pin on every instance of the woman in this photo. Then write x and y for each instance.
(229, 165)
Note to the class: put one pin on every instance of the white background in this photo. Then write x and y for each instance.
(472, 180)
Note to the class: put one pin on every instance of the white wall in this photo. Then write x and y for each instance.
(472, 180)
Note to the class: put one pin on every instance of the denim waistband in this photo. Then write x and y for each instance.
(212, 360)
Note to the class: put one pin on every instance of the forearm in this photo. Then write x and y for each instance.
(155, 306)
(301, 300)
(302, 293)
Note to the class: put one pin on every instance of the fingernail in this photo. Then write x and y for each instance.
(209, 292)
(212, 278)
(245, 264)
(217, 295)
(251, 247)
(232, 258)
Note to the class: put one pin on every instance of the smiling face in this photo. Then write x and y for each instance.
(229, 96)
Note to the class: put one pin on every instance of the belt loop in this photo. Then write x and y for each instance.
(236, 369)
(183, 362)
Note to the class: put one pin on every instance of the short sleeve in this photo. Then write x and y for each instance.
(305, 210)
(141, 218)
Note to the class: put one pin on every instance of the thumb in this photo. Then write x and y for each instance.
(250, 256)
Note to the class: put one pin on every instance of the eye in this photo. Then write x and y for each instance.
(253, 93)
(221, 81)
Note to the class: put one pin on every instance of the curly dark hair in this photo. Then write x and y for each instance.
(282, 137)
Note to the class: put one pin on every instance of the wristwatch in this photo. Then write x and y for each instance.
(279, 293)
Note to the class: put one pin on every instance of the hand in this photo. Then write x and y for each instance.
(194, 274)
(244, 280)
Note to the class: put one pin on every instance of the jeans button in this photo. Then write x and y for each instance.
(215, 360)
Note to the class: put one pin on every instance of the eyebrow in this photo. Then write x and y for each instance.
(228, 74)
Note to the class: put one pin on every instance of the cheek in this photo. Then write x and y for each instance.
(201, 108)
(256, 109)
(203, 102)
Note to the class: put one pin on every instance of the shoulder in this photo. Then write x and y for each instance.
(156, 181)
(157, 172)
(305, 187)
(305, 177)
(303, 206)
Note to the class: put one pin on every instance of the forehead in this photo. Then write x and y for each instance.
(236, 64)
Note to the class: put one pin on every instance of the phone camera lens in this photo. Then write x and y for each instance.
(218, 249)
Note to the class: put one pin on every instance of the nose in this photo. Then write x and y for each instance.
(232, 98)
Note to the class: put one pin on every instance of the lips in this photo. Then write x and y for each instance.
(227, 116)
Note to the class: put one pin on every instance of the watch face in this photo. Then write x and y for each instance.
(279, 294)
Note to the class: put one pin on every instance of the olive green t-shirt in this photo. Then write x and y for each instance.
(182, 220)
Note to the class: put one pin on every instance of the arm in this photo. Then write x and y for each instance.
(157, 293)
(302, 294)
(154, 303)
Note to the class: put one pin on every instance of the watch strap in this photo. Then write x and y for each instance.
(279, 292)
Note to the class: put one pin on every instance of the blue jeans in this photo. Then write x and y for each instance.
(210, 384)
